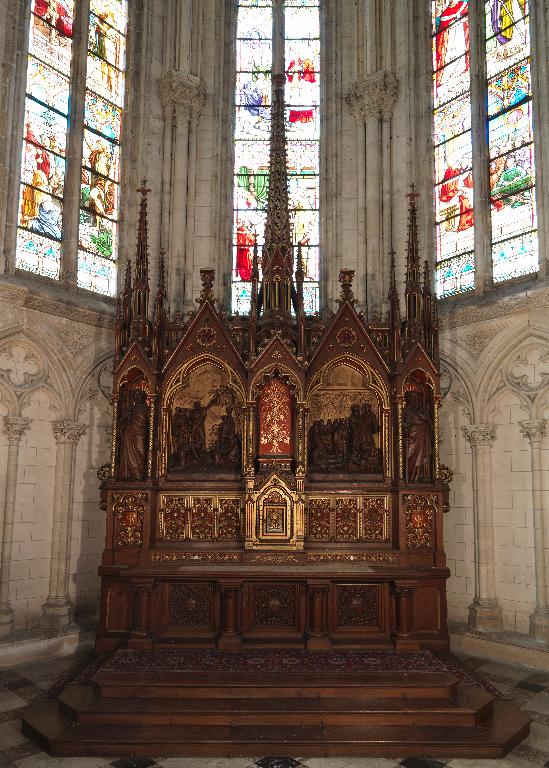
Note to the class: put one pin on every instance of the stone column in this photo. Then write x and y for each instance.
(57, 610)
(484, 612)
(14, 427)
(371, 100)
(535, 430)
(182, 96)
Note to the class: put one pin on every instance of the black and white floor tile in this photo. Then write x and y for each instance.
(21, 685)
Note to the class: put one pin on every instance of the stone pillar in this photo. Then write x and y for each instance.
(14, 427)
(371, 100)
(484, 612)
(57, 610)
(535, 430)
(182, 96)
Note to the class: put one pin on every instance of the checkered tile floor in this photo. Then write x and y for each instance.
(21, 685)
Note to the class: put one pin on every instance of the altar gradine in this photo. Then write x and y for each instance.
(274, 562)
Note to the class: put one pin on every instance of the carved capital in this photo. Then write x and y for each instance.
(181, 94)
(373, 95)
(15, 427)
(480, 434)
(534, 429)
(66, 431)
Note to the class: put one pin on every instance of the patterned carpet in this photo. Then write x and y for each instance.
(281, 661)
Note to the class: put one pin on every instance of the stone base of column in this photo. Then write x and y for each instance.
(56, 614)
(486, 615)
(6, 621)
(539, 625)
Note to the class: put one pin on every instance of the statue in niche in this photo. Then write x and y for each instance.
(133, 427)
(418, 437)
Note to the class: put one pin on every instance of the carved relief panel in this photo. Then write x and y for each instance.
(348, 426)
(203, 424)
(420, 511)
(274, 606)
(199, 518)
(349, 519)
(358, 606)
(189, 607)
(128, 516)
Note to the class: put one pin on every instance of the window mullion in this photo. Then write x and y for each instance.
(481, 159)
(278, 36)
(71, 206)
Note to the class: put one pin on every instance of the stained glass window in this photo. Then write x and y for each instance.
(100, 190)
(49, 92)
(254, 52)
(453, 147)
(505, 45)
(510, 140)
(40, 229)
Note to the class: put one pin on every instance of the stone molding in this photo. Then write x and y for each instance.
(453, 314)
(15, 427)
(373, 96)
(479, 434)
(534, 429)
(66, 431)
(181, 94)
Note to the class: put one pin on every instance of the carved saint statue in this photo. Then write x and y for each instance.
(133, 429)
(418, 438)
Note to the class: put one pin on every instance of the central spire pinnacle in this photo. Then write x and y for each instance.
(277, 292)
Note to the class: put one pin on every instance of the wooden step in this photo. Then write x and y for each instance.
(497, 734)
(261, 685)
(81, 705)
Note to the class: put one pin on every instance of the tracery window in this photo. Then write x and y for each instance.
(293, 27)
(51, 90)
(500, 153)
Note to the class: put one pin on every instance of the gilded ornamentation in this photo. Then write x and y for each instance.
(346, 520)
(202, 518)
(228, 525)
(206, 336)
(420, 512)
(190, 605)
(274, 433)
(274, 604)
(346, 281)
(129, 513)
(269, 558)
(357, 605)
(375, 519)
(346, 337)
(318, 528)
(352, 557)
(163, 556)
(173, 519)
(206, 294)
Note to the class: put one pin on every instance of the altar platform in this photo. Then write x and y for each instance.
(283, 702)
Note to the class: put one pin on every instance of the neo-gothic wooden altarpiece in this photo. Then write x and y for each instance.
(275, 478)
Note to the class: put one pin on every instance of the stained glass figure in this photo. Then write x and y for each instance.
(510, 139)
(254, 53)
(100, 192)
(40, 232)
(453, 147)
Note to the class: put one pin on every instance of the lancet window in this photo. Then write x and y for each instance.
(493, 39)
(72, 134)
(284, 35)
